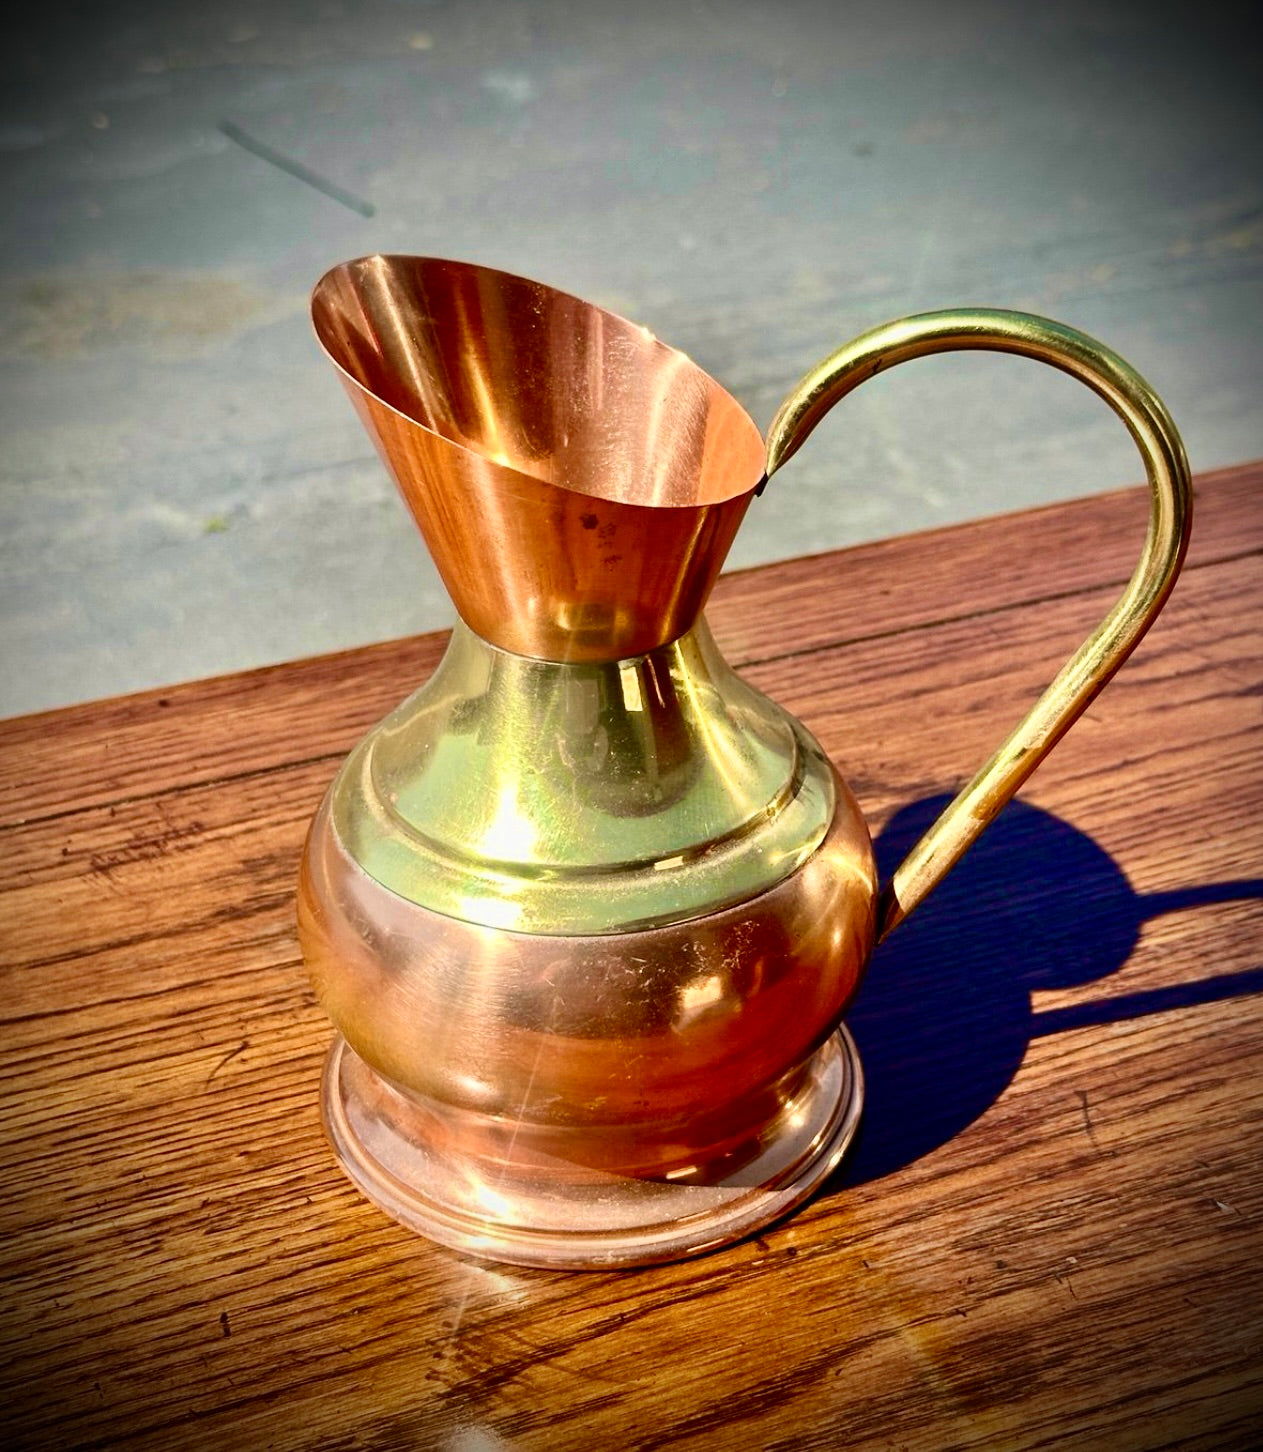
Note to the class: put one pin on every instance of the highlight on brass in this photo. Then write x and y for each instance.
(587, 910)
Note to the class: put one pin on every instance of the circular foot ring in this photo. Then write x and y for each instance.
(587, 1219)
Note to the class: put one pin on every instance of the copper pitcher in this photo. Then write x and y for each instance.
(587, 910)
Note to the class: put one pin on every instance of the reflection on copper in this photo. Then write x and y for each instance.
(633, 1053)
(578, 482)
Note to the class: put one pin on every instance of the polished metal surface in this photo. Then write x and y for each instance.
(578, 483)
(529, 1210)
(661, 1043)
(587, 909)
(583, 798)
(636, 1052)
(1109, 645)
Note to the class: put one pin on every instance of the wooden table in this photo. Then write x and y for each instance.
(1050, 1233)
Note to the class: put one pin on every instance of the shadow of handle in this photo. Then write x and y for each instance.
(1088, 670)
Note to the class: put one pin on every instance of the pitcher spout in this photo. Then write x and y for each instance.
(578, 483)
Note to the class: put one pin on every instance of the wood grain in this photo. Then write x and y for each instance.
(1048, 1235)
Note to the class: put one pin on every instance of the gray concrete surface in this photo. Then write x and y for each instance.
(183, 488)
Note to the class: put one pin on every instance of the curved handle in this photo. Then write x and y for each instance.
(1109, 645)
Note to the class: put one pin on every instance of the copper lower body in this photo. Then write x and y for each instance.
(591, 1100)
(517, 1203)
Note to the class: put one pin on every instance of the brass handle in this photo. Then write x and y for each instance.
(1088, 670)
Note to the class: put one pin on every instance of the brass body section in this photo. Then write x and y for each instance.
(587, 910)
(583, 798)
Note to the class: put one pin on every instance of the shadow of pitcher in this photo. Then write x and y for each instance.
(945, 1015)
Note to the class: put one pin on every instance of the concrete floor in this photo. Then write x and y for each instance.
(183, 488)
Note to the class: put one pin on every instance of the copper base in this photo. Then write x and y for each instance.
(573, 1217)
